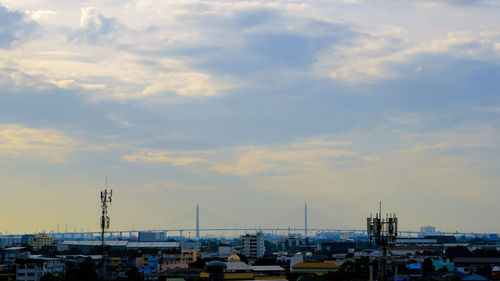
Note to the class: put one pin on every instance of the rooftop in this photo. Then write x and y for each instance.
(126, 244)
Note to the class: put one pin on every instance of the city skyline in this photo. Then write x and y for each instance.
(250, 108)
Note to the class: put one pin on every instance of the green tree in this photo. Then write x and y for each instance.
(458, 251)
(484, 271)
(132, 275)
(243, 258)
(49, 277)
(427, 266)
(85, 271)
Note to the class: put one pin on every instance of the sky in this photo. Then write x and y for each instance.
(249, 108)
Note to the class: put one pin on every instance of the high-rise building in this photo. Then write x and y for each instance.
(253, 245)
(40, 241)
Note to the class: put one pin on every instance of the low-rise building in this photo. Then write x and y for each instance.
(32, 269)
(87, 246)
(268, 272)
(287, 261)
(10, 241)
(237, 270)
(9, 255)
(470, 264)
(152, 264)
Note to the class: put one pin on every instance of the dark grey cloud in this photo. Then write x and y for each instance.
(15, 27)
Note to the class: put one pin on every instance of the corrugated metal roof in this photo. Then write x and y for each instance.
(95, 243)
(267, 268)
(13, 248)
(237, 266)
(124, 244)
(152, 245)
(476, 260)
(316, 265)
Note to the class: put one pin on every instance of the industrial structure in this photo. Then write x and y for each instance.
(384, 233)
(105, 222)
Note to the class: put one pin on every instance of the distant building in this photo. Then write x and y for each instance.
(40, 241)
(225, 250)
(237, 270)
(152, 264)
(470, 264)
(440, 264)
(189, 255)
(32, 269)
(269, 272)
(417, 242)
(87, 246)
(405, 246)
(253, 245)
(150, 236)
(427, 231)
(337, 247)
(287, 261)
(292, 242)
(9, 255)
(9, 241)
(190, 244)
(445, 239)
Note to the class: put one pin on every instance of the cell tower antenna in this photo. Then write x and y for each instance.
(384, 232)
(105, 222)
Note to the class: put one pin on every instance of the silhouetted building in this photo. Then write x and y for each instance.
(150, 236)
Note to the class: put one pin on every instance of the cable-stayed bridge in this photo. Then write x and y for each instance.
(305, 221)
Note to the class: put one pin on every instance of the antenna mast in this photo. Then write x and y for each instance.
(384, 232)
(105, 200)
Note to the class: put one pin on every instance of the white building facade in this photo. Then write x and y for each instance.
(253, 245)
(33, 269)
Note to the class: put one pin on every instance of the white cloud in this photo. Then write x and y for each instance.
(54, 145)
(95, 28)
(374, 55)
(314, 154)
(42, 16)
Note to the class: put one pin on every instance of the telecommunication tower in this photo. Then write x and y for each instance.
(384, 232)
(105, 201)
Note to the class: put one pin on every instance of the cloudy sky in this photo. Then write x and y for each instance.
(250, 108)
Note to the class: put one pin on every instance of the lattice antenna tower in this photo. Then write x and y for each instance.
(384, 232)
(106, 197)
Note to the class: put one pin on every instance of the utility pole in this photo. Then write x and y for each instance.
(105, 200)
